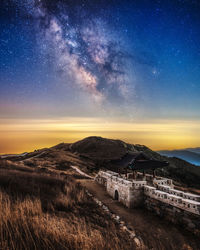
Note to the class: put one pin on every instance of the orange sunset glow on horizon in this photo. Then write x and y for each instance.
(22, 135)
(73, 70)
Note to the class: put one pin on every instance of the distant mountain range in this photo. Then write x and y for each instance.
(191, 155)
(195, 150)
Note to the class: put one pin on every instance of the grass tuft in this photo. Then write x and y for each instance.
(48, 212)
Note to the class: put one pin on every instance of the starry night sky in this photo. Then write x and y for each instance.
(119, 61)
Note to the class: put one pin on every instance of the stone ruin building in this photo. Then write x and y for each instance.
(155, 193)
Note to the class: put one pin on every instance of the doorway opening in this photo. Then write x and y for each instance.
(116, 195)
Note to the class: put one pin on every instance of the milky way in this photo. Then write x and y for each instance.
(130, 57)
(126, 69)
(85, 52)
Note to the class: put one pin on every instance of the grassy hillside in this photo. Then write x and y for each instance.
(94, 153)
(43, 206)
(102, 151)
(51, 211)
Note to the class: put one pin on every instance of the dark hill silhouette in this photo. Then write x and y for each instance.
(94, 153)
(98, 148)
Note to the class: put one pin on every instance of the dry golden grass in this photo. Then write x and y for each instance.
(48, 212)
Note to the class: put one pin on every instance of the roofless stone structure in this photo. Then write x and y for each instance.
(155, 193)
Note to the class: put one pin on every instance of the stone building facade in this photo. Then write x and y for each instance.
(128, 192)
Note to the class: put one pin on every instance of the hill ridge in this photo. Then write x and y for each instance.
(94, 153)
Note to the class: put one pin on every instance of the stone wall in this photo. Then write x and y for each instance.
(178, 216)
(161, 198)
(136, 198)
(119, 190)
(175, 198)
(130, 193)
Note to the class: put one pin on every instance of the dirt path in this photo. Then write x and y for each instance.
(81, 172)
(156, 233)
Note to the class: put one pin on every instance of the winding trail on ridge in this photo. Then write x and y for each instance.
(81, 172)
